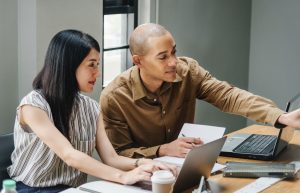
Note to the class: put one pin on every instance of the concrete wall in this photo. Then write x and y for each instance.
(275, 46)
(8, 64)
(216, 33)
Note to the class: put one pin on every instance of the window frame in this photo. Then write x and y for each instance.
(111, 7)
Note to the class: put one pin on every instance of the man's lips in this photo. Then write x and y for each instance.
(171, 71)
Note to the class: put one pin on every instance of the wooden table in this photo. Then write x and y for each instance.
(291, 153)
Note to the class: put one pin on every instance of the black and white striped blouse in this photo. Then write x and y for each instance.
(34, 163)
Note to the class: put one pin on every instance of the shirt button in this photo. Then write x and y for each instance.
(169, 130)
(155, 100)
(164, 112)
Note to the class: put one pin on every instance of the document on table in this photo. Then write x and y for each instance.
(72, 190)
(110, 187)
(206, 133)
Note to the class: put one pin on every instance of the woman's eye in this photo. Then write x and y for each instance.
(94, 65)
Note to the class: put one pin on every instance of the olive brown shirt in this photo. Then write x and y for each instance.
(137, 121)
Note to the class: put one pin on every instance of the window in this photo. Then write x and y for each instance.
(119, 20)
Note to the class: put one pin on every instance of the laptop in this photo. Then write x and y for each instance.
(198, 162)
(261, 147)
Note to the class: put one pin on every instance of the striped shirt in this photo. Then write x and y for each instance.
(34, 163)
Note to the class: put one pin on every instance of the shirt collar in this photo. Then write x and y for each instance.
(138, 89)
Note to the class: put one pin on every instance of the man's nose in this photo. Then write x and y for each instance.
(173, 61)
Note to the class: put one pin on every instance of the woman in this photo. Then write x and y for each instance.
(57, 127)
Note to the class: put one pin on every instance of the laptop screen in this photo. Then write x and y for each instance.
(286, 133)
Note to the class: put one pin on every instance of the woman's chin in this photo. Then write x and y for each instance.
(87, 90)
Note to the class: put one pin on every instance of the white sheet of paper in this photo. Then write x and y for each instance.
(179, 162)
(72, 190)
(206, 133)
(172, 160)
(111, 187)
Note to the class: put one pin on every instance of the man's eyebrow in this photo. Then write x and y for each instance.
(163, 52)
(166, 51)
(174, 47)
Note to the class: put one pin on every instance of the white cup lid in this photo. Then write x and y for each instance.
(163, 177)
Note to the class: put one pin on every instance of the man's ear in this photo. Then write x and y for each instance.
(136, 60)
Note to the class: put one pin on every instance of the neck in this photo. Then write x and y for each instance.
(150, 83)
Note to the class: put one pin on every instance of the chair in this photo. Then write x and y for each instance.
(6, 148)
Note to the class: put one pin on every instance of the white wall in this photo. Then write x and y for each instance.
(147, 11)
(27, 67)
(275, 46)
(8, 64)
(57, 15)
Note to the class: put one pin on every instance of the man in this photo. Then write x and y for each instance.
(145, 107)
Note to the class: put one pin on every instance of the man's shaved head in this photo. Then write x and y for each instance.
(138, 42)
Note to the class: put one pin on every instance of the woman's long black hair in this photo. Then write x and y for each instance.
(57, 79)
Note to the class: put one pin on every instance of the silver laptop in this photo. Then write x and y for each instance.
(198, 162)
(261, 147)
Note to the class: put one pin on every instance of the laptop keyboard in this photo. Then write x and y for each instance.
(257, 144)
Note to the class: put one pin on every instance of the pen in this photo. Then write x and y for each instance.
(88, 190)
(183, 135)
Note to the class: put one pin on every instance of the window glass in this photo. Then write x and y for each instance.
(115, 30)
(119, 20)
(114, 62)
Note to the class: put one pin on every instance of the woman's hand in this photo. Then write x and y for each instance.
(161, 166)
(141, 173)
(145, 170)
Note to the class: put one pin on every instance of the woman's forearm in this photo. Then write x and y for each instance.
(91, 166)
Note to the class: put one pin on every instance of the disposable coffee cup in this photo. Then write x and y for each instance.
(162, 181)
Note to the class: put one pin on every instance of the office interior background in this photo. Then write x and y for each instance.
(253, 44)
